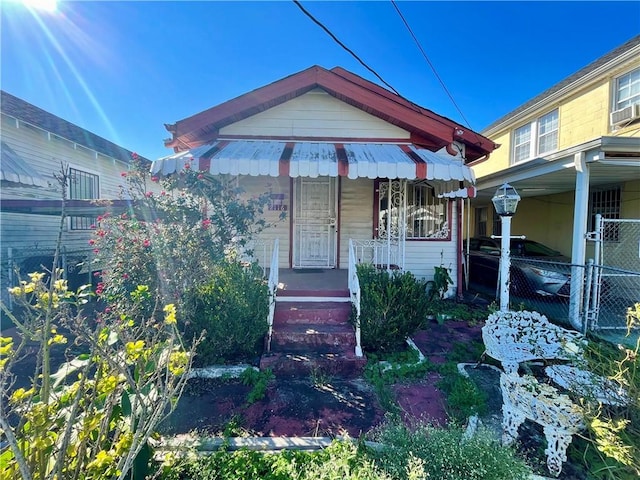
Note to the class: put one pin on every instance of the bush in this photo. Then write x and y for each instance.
(393, 306)
(342, 460)
(424, 451)
(232, 308)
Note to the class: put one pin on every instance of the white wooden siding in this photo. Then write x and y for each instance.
(315, 114)
(356, 214)
(278, 228)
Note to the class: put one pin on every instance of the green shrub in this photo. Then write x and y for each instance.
(393, 306)
(464, 398)
(259, 380)
(342, 460)
(232, 308)
(424, 451)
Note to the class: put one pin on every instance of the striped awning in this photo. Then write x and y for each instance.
(316, 159)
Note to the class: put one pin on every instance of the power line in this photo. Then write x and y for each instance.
(317, 22)
(429, 62)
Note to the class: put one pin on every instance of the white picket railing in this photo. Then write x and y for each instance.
(273, 289)
(354, 292)
(384, 254)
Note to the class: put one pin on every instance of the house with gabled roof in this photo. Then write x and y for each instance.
(350, 163)
(36, 145)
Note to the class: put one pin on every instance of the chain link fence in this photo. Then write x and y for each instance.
(600, 302)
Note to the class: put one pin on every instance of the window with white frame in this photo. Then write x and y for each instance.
(426, 214)
(627, 90)
(83, 186)
(536, 138)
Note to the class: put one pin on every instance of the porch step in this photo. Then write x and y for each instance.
(336, 295)
(311, 332)
(341, 364)
(328, 313)
(312, 338)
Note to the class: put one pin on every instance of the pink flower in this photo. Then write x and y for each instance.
(100, 217)
(187, 166)
(148, 194)
(123, 216)
(135, 156)
(146, 243)
(125, 276)
(154, 179)
(95, 250)
(92, 227)
(205, 223)
(200, 176)
(91, 241)
(123, 174)
(107, 310)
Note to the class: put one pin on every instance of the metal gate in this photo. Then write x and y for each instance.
(615, 284)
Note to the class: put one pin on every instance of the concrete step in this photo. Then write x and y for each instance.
(340, 364)
(312, 337)
(312, 312)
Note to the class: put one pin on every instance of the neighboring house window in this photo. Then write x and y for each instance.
(536, 138)
(426, 214)
(627, 90)
(497, 223)
(481, 221)
(606, 202)
(83, 186)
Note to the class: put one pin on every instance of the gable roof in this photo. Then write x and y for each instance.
(28, 113)
(427, 128)
(591, 68)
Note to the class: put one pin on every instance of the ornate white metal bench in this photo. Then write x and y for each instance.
(526, 398)
(516, 337)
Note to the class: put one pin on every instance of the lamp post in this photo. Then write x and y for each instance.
(505, 201)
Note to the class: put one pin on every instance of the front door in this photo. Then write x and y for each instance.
(314, 235)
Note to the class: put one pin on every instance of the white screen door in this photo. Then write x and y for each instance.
(314, 236)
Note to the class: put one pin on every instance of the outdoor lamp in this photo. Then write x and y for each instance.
(506, 200)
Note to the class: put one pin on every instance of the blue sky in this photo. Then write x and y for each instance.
(124, 69)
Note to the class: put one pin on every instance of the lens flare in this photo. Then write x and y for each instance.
(46, 5)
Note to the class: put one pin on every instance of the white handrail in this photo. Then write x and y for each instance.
(273, 289)
(354, 292)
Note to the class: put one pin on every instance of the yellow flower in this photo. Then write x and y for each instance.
(36, 276)
(178, 361)
(60, 285)
(170, 314)
(6, 345)
(57, 339)
(21, 394)
(134, 350)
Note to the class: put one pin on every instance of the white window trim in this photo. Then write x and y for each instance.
(616, 89)
(534, 137)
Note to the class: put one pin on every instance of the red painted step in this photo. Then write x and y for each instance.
(343, 364)
(312, 338)
(341, 293)
(312, 312)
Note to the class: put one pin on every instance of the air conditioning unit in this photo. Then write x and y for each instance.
(626, 114)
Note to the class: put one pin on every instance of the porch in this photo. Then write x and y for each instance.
(312, 280)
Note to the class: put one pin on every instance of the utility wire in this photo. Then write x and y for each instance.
(429, 62)
(317, 22)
